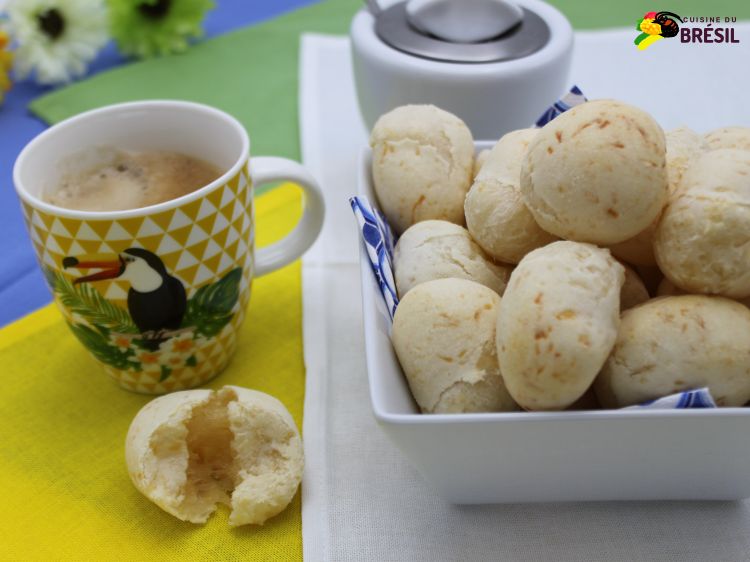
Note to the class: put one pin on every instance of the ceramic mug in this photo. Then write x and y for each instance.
(157, 294)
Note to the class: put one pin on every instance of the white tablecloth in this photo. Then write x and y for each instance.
(361, 499)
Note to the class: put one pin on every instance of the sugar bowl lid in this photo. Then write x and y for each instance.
(461, 31)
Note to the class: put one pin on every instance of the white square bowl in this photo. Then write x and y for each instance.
(551, 456)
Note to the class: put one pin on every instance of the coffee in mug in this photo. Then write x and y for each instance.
(109, 179)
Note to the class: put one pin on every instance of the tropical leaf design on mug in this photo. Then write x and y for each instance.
(99, 343)
(110, 334)
(210, 309)
(87, 302)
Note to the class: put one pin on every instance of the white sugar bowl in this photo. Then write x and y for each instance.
(498, 71)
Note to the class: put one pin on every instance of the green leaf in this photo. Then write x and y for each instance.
(165, 372)
(100, 347)
(207, 324)
(86, 301)
(211, 307)
(191, 361)
(220, 297)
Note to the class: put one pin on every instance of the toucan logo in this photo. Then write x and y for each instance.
(655, 26)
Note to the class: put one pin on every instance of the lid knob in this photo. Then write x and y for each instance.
(460, 31)
(463, 21)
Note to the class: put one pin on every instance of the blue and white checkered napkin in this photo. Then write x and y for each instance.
(378, 239)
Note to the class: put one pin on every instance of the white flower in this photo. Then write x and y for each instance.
(123, 342)
(172, 360)
(56, 39)
(181, 344)
(149, 361)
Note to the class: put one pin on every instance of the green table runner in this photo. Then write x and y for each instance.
(252, 73)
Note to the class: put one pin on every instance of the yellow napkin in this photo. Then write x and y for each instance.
(66, 491)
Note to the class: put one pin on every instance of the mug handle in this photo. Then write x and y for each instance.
(266, 169)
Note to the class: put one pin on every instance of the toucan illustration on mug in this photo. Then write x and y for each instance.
(156, 300)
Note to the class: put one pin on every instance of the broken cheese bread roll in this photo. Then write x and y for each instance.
(189, 450)
(422, 165)
(702, 242)
(557, 323)
(597, 173)
(677, 343)
(496, 215)
(440, 249)
(444, 337)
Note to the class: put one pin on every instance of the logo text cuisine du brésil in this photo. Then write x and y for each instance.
(708, 29)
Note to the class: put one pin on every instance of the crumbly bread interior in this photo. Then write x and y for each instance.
(211, 470)
(268, 459)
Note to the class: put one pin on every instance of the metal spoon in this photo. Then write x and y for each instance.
(462, 21)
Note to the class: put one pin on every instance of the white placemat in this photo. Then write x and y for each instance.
(361, 499)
